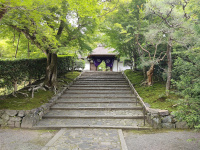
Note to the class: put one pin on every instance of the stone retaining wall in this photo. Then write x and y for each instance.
(29, 118)
(26, 118)
(158, 119)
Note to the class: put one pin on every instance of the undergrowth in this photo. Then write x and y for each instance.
(153, 95)
(27, 103)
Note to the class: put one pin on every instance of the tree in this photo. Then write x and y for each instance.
(120, 27)
(51, 26)
(173, 14)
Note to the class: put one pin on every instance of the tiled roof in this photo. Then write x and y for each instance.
(103, 51)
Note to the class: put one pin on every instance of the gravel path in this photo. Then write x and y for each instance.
(162, 140)
(21, 139)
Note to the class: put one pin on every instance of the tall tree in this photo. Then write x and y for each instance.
(118, 27)
(51, 25)
(173, 14)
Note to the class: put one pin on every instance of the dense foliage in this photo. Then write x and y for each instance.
(12, 71)
(162, 37)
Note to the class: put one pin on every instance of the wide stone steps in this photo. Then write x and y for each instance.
(99, 88)
(96, 100)
(115, 123)
(100, 83)
(96, 108)
(97, 95)
(94, 113)
(98, 92)
(101, 79)
(106, 105)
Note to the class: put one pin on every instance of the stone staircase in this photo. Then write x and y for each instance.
(96, 100)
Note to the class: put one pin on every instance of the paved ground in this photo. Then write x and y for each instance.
(21, 139)
(85, 139)
(97, 139)
(162, 140)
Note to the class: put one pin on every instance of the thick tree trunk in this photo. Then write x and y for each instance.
(169, 63)
(150, 75)
(51, 70)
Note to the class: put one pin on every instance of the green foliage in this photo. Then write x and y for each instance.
(25, 69)
(40, 97)
(187, 81)
(79, 64)
(128, 62)
(102, 66)
(153, 95)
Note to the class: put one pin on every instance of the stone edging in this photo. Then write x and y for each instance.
(29, 118)
(158, 118)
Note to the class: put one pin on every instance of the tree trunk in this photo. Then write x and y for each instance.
(17, 46)
(15, 87)
(51, 70)
(28, 49)
(135, 61)
(169, 63)
(3, 11)
(150, 75)
(144, 72)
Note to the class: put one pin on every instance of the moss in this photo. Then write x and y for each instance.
(27, 103)
(155, 131)
(155, 94)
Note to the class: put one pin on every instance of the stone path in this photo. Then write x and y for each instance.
(92, 114)
(86, 139)
(96, 100)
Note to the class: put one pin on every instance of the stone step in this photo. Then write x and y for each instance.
(90, 122)
(88, 101)
(91, 117)
(58, 127)
(96, 112)
(102, 73)
(99, 88)
(100, 99)
(98, 92)
(98, 95)
(102, 86)
(95, 108)
(101, 79)
(99, 105)
(100, 83)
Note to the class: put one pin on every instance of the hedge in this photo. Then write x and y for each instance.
(22, 70)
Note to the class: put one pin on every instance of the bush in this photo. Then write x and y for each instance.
(12, 71)
(187, 82)
(79, 64)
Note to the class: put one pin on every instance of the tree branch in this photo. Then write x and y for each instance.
(142, 47)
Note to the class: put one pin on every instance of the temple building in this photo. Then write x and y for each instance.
(107, 55)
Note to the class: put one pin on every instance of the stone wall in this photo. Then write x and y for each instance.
(26, 118)
(29, 118)
(158, 119)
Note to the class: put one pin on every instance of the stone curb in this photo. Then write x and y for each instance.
(122, 140)
(54, 139)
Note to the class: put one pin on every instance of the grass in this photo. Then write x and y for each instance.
(153, 95)
(41, 97)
